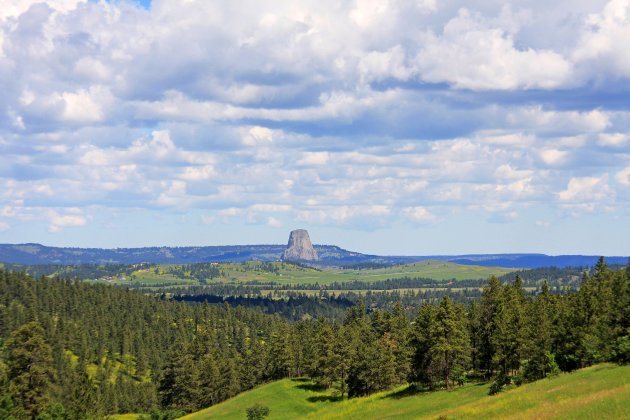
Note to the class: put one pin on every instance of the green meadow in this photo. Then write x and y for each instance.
(284, 273)
(601, 391)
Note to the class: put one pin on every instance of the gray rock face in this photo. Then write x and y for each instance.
(300, 247)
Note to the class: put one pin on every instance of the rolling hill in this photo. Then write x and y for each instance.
(601, 391)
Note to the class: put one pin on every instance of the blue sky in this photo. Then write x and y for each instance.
(384, 126)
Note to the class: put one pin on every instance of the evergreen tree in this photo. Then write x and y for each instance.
(208, 381)
(179, 384)
(6, 402)
(399, 335)
(509, 320)
(326, 354)
(373, 367)
(620, 321)
(280, 353)
(30, 369)
(422, 368)
(449, 343)
(490, 311)
(539, 334)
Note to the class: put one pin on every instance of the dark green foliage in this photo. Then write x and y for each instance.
(105, 350)
(540, 366)
(490, 316)
(442, 345)
(257, 412)
(30, 372)
(499, 383)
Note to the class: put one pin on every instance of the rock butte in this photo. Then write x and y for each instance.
(300, 247)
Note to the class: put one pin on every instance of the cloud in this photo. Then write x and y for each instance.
(343, 214)
(85, 105)
(586, 192)
(613, 139)
(314, 158)
(357, 113)
(14, 8)
(4, 226)
(554, 156)
(198, 173)
(473, 54)
(258, 135)
(506, 171)
(270, 208)
(419, 214)
(230, 212)
(601, 43)
(71, 217)
(623, 177)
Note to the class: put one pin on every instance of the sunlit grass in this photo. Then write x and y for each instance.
(601, 392)
(288, 274)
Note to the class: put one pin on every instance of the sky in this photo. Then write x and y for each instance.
(394, 127)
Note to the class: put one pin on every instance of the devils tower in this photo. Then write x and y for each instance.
(300, 247)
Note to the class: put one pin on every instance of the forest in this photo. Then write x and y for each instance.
(75, 350)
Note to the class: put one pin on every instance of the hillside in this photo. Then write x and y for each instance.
(601, 391)
(41, 254)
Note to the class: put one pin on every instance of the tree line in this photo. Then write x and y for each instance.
(75, 350)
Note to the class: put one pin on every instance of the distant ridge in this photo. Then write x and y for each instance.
(329, 255)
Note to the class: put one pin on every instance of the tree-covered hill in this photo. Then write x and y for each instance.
(71, 349)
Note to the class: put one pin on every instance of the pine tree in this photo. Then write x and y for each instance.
(450, 345)
(421, 342)
(373, 367)
(621, 316)
(280, 354)
(30, 369)
(490, 311)
(474, 332)
(208, 381)
(6, 402)
(179, 383)
(399, 331)
(539, 334)
(327, 355)
(509, 320)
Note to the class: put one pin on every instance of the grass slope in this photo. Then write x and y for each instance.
(601, 391)
(286, 398)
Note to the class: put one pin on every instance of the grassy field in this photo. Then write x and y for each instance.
(292, 274)
(601, 392)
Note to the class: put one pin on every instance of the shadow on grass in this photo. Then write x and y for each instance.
(311, 387)
(324, 398)
(409, 391)
(412, 390)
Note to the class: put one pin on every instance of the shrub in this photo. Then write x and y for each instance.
(499, 383)
(257, 412)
